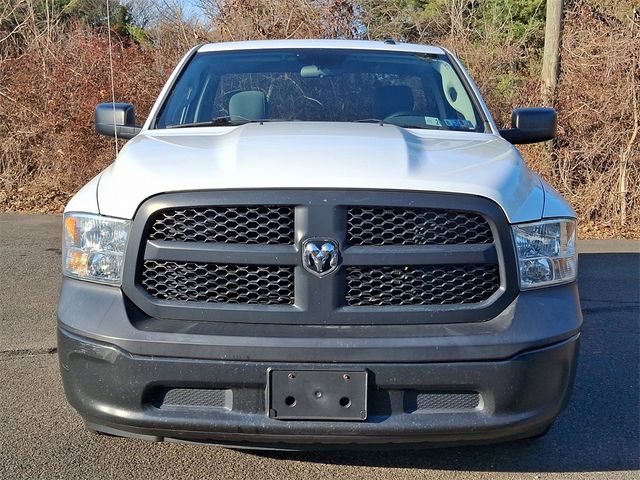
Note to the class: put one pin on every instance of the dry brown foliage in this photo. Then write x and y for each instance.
(48, 148)
(597, 165)
(51, 77)
(284, 19)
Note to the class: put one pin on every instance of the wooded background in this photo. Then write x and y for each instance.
(54, 69)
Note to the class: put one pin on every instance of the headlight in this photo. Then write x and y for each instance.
(546, 252)
(94, 247)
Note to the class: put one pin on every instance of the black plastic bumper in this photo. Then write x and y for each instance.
(115, 393)
(117, 363)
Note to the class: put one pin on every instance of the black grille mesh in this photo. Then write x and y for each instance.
(415, 226)
(447, 401)
(421, 285)
(218, 283)
(193, 397)
(271, 225)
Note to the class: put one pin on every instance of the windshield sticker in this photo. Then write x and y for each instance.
(459, 124)
(433, 121)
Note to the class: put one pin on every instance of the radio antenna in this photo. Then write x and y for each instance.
(113, 85)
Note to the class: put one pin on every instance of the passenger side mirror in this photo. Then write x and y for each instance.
(531, 125)
(119, 119)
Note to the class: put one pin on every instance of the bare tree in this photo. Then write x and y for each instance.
(261, 19)
(551, 59)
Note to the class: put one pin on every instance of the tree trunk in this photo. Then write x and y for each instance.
(551, 59)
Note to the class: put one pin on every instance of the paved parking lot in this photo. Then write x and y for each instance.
(42, 437)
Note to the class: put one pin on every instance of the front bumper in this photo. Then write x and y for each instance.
(117, 364)
(115, 392)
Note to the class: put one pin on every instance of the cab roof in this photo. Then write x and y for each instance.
(388, 46)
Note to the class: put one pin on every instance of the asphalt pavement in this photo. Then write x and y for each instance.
(42, 437)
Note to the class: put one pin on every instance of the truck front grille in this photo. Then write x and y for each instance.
(404, 258)
(415, 226)
(270, 225)
(209, 283)
(423, 285)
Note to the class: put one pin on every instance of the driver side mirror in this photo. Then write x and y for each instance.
(119, 119)
(531, 125)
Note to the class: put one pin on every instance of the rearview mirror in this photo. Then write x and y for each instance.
(116, 119)
(313, 71)
(531, 125)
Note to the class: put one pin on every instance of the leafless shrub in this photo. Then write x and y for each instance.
(598, 155)
(52, 73)
(47, 145)
(260, 19)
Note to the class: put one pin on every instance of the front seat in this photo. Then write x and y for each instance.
(391, 99)
(248, 105)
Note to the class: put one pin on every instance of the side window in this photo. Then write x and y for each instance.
(183, 107)
(178, 111)
(187, 98)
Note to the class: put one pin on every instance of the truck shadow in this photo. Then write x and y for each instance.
(599, 431)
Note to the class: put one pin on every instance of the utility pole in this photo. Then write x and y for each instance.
(551, 59)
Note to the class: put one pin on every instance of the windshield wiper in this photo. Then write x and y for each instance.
(224, 121)
(370, 120)
(382, 123)
(417, 127)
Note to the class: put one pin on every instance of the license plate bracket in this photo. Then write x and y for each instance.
(317, 395)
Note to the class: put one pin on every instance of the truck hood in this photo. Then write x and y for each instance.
(319, 155)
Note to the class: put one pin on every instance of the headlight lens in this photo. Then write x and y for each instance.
(94, 247)
(546, 252)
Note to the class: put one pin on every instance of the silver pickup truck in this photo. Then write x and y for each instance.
(319, 243)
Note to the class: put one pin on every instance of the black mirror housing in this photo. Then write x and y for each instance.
(531, 125)
(116, 119)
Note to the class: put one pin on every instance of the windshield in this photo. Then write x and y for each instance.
(404, 89)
